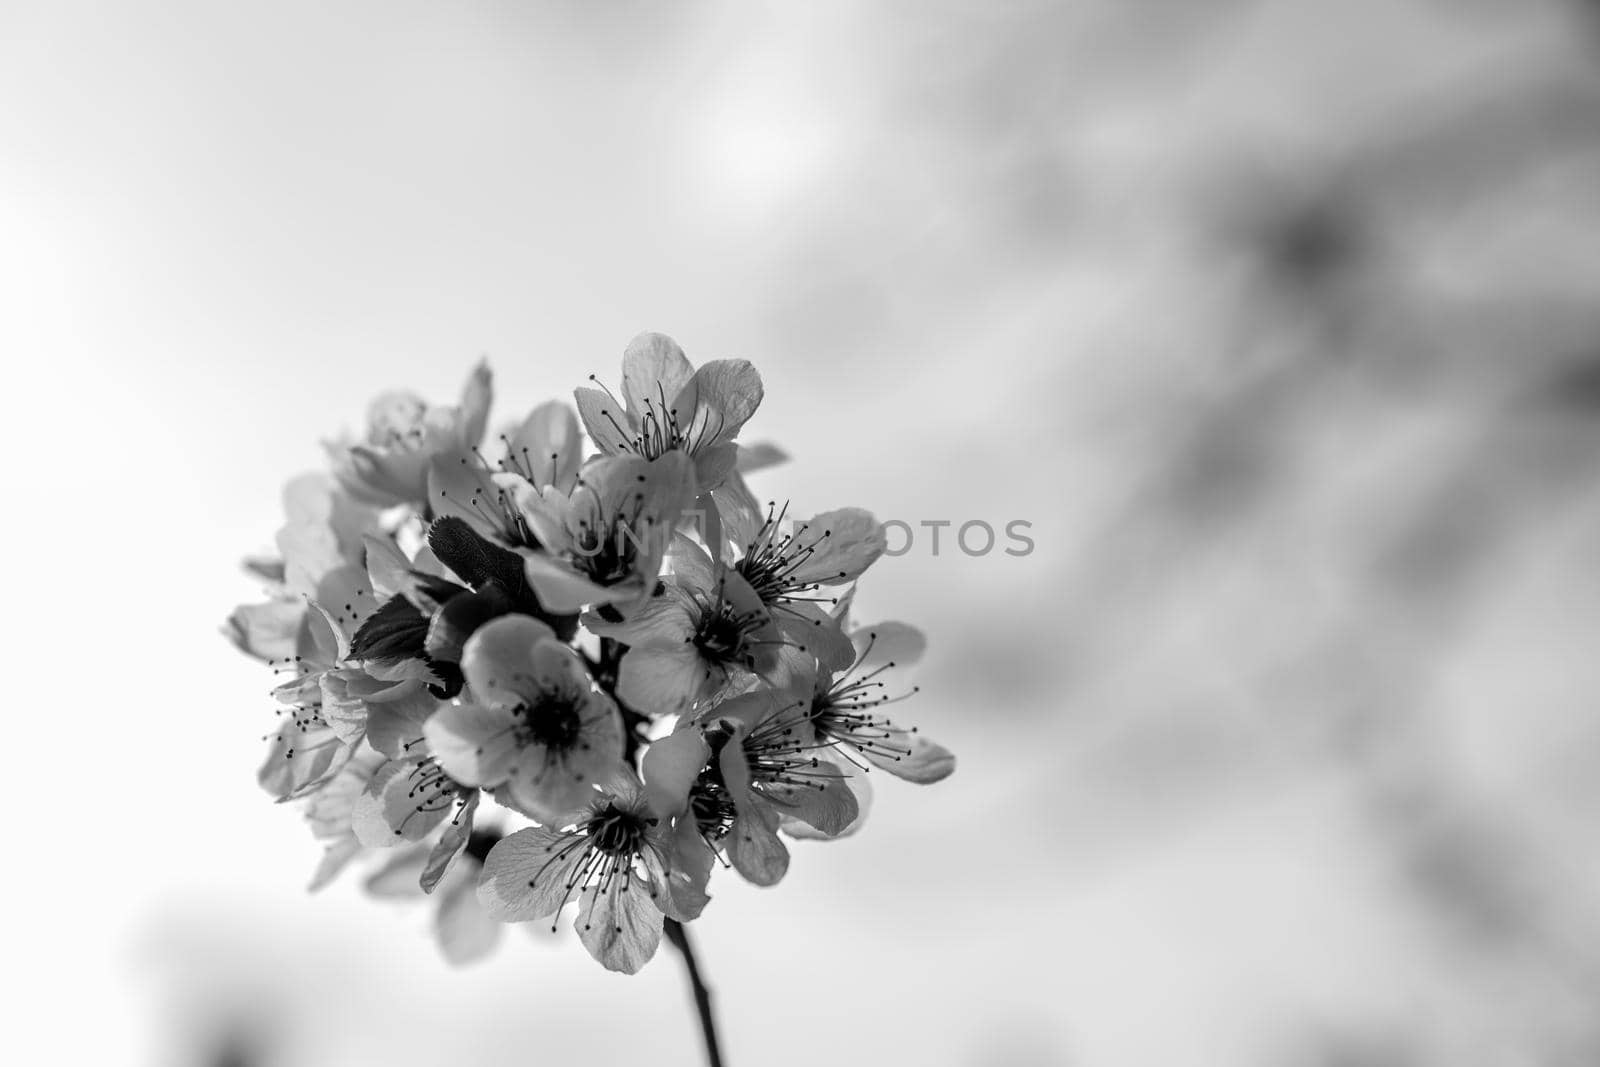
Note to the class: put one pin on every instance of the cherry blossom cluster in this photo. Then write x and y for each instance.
(580, 664)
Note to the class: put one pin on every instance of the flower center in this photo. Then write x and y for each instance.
(724, 632)
(842, 715)
(616, 831)
(606, 553)
(713, 808)
(659, 430)
(770, 560)
(555, 721)
(777, 754)
(493, 504)
(709, 799)
(764, 575)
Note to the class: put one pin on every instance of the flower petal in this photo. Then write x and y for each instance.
(557, 665)
(663, 621)
(460, 485)
(726, 392)
(742, 516)
(760, 456)
(476, 744)
(745, 710)
(450, 845)
(548, 789)
(813, 630)
(323, 530)
(394, 725)
(548, 446)
(368, 820)
(908, 755)
(466, 933)
(562, 589)
(553, 786)
(632, 505)
(346, 596)
(335, 858)
(843, 543)
(670, 767)
(329, 813)
(690, 565)
(346, 692)
(822, 800)
(476, 396)
(654, 371)
(661, 681)
(387, 567)
(301, 756)
(688, 872)
(607, 424)
(841, 610)
(267, 631)
(754, 848)
(752, 843)
(888, 642)
(499, 661)
(860, 786)
(621, 927)
(384, 477)
(527, 874)
(397, 878)
(763, 643)
(547, 511)
(405, 801)
(714, 465)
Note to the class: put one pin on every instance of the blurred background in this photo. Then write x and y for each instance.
(1279, 321)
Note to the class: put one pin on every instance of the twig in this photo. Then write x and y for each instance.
(702, 996)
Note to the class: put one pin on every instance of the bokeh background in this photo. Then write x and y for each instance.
(1279, 321)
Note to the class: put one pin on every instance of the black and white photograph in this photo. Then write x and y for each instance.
(1054, 533)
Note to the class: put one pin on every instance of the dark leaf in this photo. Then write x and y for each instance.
(396, 631)
(457, 620)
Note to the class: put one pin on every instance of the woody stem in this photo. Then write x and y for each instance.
(679, 936)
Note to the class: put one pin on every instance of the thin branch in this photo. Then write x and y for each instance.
(679, 936)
